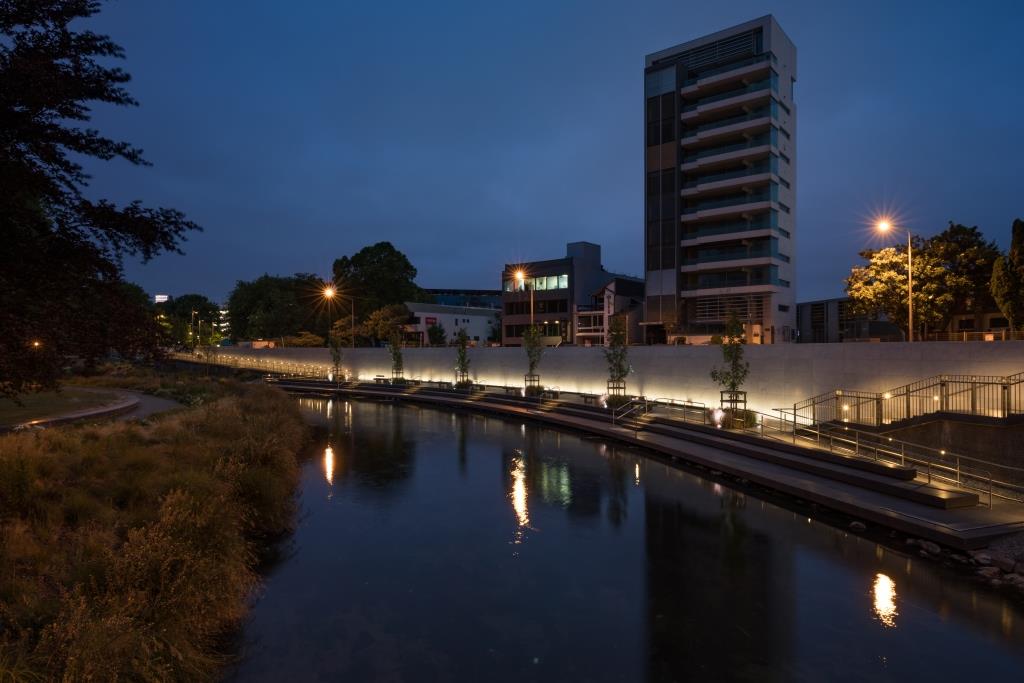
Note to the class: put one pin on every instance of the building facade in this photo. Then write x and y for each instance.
(720, 178)
(476, 298)
(480, 323)
(621, 297)
(836, 320)
(546, 293)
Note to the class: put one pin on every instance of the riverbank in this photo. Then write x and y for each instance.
(128, 549)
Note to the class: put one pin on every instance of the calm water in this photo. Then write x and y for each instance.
(437, 547)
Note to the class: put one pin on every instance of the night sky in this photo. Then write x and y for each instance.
(473, 134)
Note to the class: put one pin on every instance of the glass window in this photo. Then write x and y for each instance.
(660, 82)
(563, 282)
(552, 282)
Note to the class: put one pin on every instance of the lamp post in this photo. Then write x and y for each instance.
(329, 292)
(521, 279)
(885, 225)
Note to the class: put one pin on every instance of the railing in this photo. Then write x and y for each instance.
(966, 336)
(764, 84)
(758, 141)
(632, 407)
(732, 66)
(759, 113)
(756, 169)
(738, 200)
(979, 395)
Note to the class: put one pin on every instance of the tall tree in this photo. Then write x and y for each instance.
(182, 315)
(383, 323)
(967, 259)
(60, 265)
(377, 276)
(880, 286)
(1007, 284)
(273, 307)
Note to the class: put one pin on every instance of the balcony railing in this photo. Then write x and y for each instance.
(756, 141)
(731, 201)
(732, 66)
(763, 84)
(713, 255)
(755, 169)
(759, 113)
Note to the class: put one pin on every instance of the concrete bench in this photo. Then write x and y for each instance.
(550, 393)
(380, 379)
(513, 390)
(589, 399)
(444, 385)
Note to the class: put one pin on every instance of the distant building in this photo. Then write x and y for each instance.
(720, 179)
(556, 287)
(475, 298)
(480, 323)
(621, 297)
(834, 320)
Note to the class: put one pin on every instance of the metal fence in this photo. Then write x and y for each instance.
(980, 395)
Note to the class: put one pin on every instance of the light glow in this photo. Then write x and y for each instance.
(884, 590)
(329, 292)
(518, 496)
(329, 465)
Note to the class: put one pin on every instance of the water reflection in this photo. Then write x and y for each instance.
(518, 497)
(405, 573)
(884, 590)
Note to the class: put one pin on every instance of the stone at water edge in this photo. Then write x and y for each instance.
(1004, 563)
(1018, 568)
(981, 558)
(930, 548)
(989, 572)
(858, 527)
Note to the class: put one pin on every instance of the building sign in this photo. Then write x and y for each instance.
(431, 321)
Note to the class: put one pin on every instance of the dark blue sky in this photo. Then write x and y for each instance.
(472, 134)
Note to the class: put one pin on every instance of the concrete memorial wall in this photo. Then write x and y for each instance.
(780, 374)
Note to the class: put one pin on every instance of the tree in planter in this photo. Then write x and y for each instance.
(397, 364)
(436, 335)
(618, 362)
(462, 360)
(534, 345)
(334, 342)
(734, 373)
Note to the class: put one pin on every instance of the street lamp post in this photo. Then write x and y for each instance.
(521, 279)
(886, 226)
(329, 293)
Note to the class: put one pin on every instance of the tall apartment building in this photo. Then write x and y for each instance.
(720, 201)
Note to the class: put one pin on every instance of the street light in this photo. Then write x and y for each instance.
(329, 292)
(885, 225)
(521, 279)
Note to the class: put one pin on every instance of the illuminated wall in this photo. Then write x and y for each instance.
(780, 374)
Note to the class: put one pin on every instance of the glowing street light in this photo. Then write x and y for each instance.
(885, 225)
(521, 279)
(329, 292)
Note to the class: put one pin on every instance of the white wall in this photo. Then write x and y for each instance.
(780, 374)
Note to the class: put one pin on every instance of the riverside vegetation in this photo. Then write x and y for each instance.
(128, 550)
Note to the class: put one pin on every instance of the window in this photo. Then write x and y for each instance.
(783, 308)
(996, 323)
(965, 324)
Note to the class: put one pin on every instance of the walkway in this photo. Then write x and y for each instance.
(895, 499)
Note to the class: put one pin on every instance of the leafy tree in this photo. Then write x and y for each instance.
(377, 276)
(60, 263)
(436, 335)
(382, 323)
(732, 376)
(334, 343)
(272, 307)
(617, 353)
(533, 343)
(881, 286)
(343, 331)
(304, 339)
(462, 355)
(967, 260)
(179, 321)
(1007, 283)
(395, 349)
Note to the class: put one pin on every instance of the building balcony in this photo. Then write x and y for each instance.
(771, 288)
(751, 66)
(738, 208)
(736, 261)
(761, 117)
(748, 149)
(722, 181)
(751, 95)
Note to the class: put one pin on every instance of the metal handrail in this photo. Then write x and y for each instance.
(627, 409)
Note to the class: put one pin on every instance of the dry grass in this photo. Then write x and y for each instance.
(127, 551)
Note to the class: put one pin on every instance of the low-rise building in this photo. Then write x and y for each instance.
(480, 323)
(836, 320)
(621, 297)
(546, 293)
(475, 298)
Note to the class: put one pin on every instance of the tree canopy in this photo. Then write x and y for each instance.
(1007, 284)
(181, 325)
(273, 307)
(377, 276)
(61, 288)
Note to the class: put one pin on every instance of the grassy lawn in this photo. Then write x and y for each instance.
(52, 403)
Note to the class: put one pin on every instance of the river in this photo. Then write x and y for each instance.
(436, 546)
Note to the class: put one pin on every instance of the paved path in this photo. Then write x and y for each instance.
(962, 528)
(128, 405)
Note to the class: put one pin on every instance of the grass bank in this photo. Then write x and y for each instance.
(128, 550)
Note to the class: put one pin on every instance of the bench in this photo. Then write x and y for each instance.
(444, 385)
(380, 379)
(589, 399)
(513, 390)
(550, 393)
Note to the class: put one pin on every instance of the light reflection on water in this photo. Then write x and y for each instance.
(403, 570)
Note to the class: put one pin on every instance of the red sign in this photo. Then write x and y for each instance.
(431, 321)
